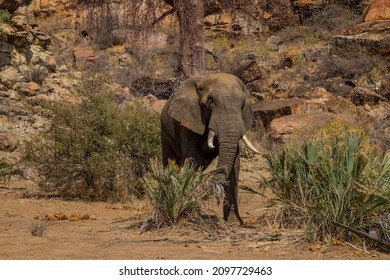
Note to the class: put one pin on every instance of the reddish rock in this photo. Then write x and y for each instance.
(157, 106)
(8, 142)
(27, 89)
(377, 10)
(267, 110)
(249, 71)
(83, 57)
(361, 96)
(282, 129)
(10, 5)
(153, 104)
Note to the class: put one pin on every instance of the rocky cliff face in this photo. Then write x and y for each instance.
(22, 45)
(28, 73)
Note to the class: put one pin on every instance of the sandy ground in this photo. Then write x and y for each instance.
(38, 227)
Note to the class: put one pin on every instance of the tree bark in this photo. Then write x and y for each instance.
(191, 50)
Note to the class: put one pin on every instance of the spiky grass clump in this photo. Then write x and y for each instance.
(337, 178)
(177, 193)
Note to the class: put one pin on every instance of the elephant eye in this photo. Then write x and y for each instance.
(209, 101)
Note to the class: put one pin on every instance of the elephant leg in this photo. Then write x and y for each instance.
(191, 149)
(168, 152)
(231, 192)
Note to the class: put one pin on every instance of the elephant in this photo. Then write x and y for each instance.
(205, 117)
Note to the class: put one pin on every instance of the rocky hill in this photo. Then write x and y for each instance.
(334, 65)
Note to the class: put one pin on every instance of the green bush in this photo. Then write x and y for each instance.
(97, 149)
(177, 193)
(338, 178)
(5, 170)
(5, 16)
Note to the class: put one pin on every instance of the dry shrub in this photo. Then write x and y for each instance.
(34, 73)
(344, 67)
(97, 149)
(332, 19)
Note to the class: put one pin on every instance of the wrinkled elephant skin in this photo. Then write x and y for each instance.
(205, 117)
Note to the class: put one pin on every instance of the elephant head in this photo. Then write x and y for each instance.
(216, 106)
(219, 103)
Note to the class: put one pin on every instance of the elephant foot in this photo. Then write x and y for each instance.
(232, 209)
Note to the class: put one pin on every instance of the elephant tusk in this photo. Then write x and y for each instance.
(210, 139)
(249, 144)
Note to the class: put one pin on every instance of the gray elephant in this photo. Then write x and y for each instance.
(205, 117)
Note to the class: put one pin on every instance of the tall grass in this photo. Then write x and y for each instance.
(339, 178)
(178, 193)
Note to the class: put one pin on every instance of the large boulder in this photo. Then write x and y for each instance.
(10, 76)
(8, 141)
(377, 10)
(373, 39)
(284, 128)
(10, 5)
(265, 111)
(83, 57)
(363, 95)
(372, 36)
(39, 56)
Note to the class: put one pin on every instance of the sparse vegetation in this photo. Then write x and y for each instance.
(35, 73)
(5, 170)
(177, 193)
(96, 149)
(38, 228)
(331, 20)
(5, 16)
(331, 177)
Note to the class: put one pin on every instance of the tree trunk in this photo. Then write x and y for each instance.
(191, 52)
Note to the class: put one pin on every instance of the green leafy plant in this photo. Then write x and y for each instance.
(340, 178)
(5, 16)
(5, 170)
(96, 149)
(178, 193)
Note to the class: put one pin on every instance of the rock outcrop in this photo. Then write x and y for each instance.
(10, 5)
(372, 36)
(282, 119)
(21, 44)
(227, 23)
(377, 10)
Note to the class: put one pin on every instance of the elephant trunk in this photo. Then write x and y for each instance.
(228, 153)
(227, 170)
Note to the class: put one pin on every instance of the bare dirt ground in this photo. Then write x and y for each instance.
(33, 226)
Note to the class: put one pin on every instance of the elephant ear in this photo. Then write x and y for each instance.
(184, 107)
(246, 110)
